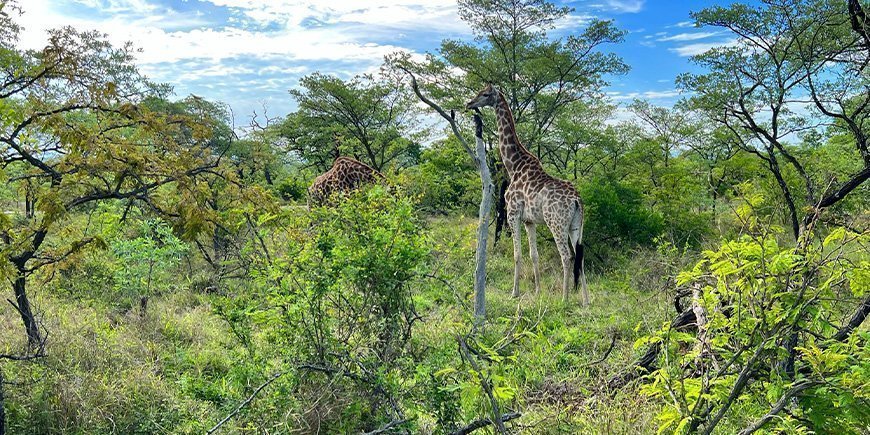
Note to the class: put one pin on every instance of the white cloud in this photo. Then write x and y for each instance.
(619, 116)
(401, 14)
(646, 95)
(702, 47)
(689, 36)
(682, 24)
(159, 45)
(629, 6)
(230, 61)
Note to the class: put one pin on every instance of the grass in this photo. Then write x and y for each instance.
(179, 368)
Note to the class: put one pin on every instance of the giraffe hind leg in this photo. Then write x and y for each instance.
(562, 245)
(533, 254)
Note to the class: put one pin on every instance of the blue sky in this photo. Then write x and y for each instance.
(249, 53)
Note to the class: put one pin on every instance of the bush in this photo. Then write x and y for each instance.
(445, 180)
(340, 298)
(760, 298)
(615, 215)
(291, 189)
(146, 262)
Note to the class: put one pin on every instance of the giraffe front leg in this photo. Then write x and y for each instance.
(533, 254)
(514, 222)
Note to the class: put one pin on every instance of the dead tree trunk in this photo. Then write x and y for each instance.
(478, 156)
(483, 223)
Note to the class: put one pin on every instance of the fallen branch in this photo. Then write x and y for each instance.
(484, 422)
(246, 402)
(606, 353)
(646, 363)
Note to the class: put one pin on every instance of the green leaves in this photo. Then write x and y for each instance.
(371, 119)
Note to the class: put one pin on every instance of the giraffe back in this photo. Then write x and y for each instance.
(345, 176)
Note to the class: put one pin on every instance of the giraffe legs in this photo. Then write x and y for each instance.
(533, 254)
(514, 222)
(567, 261)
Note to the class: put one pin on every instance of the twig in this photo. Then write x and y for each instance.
(779, 406)
(246, 402)
(484, 422)
(484, 383)
(389, 426)
(606, 353)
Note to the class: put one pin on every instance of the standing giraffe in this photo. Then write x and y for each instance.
(535, 197)
(345, 175)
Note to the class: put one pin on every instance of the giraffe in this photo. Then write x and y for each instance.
(534, 197)
(345, 175)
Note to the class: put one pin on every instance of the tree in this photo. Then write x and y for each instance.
(789, 53)
(763, 310)
(76, 128)
(372, 120)
(543, 78)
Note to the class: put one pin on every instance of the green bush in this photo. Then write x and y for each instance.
(340, 297)
(291, 189)
(758, 295)
(146, 263)
(616, 215)
(445, 180)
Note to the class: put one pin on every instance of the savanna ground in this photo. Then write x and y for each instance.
(166, 276)
(179, 368)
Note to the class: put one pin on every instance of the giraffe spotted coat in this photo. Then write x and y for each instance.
(345, 176)
(535, 197)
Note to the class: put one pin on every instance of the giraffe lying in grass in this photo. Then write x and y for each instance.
(534, 197)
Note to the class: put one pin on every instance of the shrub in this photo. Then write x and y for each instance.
(615, 215)
(445, 180)
(766, 336)
(291, 189)
(340, 299)
(146, 262)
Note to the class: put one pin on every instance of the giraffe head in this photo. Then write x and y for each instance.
(487, 97)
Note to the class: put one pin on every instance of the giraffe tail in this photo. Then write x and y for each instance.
(578, 263)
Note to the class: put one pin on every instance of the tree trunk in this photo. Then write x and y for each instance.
(786, 192)
(483, 224)
(34, 338)
(479, 159)
(2, 409)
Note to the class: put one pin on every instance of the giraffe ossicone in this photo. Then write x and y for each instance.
(345, 176)
(535, 197)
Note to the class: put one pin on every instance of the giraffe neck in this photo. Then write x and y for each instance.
(513, 153)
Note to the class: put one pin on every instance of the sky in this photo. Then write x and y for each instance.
(249, 53)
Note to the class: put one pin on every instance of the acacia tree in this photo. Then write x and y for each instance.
(777, 323)
(791, 55)
(76, 128)
(372, 119)
(540, 75)
(543, 77)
